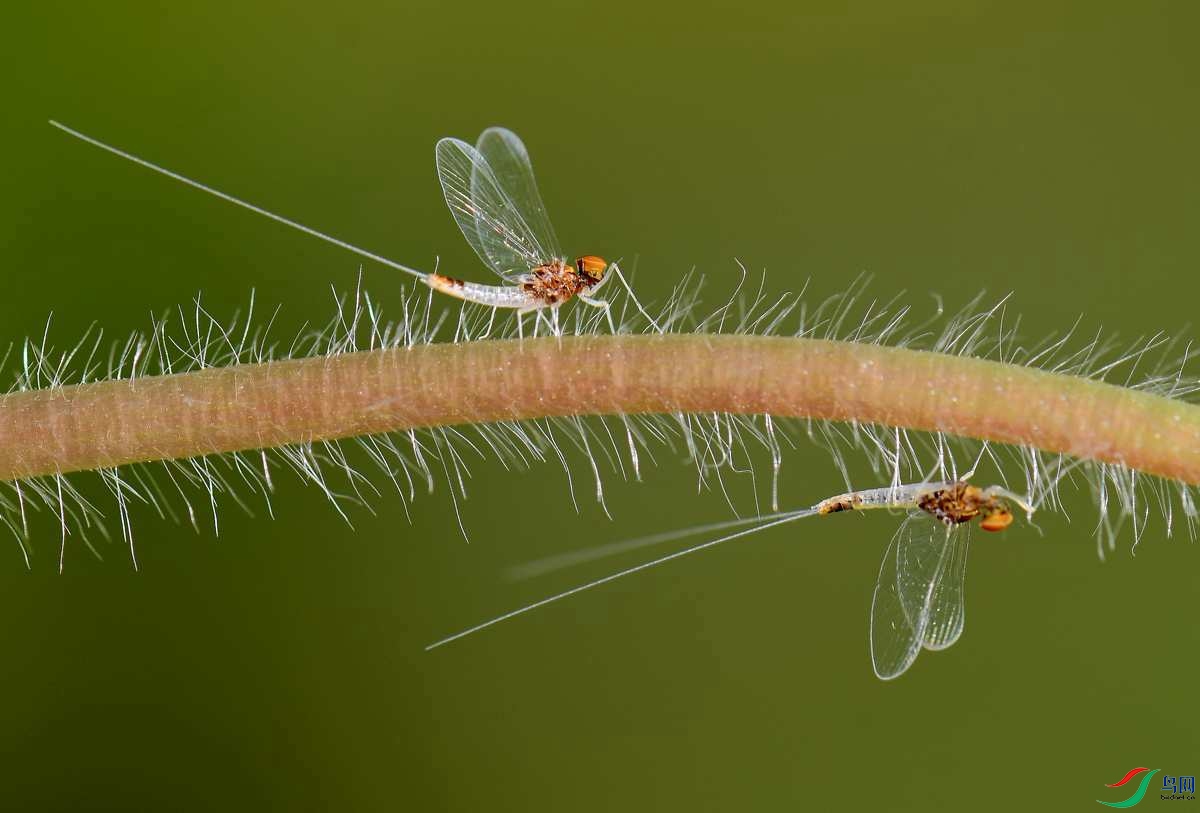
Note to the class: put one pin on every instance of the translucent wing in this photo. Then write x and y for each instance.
(947, 609)
(908, 582)
(505, 153)
(488, 218)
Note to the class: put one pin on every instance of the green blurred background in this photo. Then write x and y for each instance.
(944, 147)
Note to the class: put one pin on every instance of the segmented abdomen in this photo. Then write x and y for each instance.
(494, 296)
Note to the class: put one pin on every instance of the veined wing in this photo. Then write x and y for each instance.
(508, 159)
(486, 215)
(947, 608)
(909, 577)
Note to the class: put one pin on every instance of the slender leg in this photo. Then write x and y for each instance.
(539, 316)
(605, 306)
(1000, 491)
(633, 296)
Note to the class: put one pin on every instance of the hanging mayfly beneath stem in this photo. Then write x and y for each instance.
(919, 595)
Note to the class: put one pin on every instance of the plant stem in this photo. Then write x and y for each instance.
(250, 406)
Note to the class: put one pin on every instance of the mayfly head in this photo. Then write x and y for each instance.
(995, 516)
(591, 268)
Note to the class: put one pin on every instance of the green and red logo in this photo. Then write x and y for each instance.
(1173, 787)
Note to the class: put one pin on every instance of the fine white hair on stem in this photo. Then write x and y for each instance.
(721, 448)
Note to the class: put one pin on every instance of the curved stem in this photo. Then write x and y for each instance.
(253, 406)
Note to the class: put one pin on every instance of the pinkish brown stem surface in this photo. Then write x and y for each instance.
(254, 406)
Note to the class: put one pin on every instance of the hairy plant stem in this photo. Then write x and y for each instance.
(251, 406)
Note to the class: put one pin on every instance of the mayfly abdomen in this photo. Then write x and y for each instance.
(904, 496)
(495, 296)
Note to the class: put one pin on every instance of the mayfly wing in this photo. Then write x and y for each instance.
(508, 159)
(947, 608)
(908, 580)
(487, 217)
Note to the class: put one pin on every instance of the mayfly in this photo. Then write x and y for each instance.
(918, 599)
(493, 196)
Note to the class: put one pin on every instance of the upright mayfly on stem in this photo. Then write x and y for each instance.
(492, 193)
(919, 595)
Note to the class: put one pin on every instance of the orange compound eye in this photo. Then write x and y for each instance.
(997, 520)
(592, 267)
